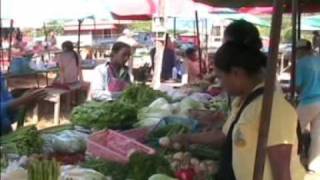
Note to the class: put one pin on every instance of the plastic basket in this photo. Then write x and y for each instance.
(114, 146)
(139, 134)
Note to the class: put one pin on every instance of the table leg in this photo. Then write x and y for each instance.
(56, 111)
(35, 114)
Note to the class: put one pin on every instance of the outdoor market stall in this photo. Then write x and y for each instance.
(129, 138)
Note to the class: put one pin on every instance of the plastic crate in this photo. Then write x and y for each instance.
(114, 146)
(139, 134)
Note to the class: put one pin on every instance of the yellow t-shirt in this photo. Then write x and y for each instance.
(245, 135)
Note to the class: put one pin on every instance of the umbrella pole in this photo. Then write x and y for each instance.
(198, 42)
(293, 49)
(206, 39)
(160, 47)
(269, 90)
(174, 27)
(10, 40)
(299, 21)
(79, 34)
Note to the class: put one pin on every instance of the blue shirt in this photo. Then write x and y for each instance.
(308, 79)
(6, 116)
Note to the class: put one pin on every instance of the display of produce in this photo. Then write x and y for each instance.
(23, 141)
(101, 115)
(144, 166)
(110, 169)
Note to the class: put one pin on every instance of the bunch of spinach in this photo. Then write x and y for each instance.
(101, 115)
(141, 95)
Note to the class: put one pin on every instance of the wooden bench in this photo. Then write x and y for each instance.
(54, 96)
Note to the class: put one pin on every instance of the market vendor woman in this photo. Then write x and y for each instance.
(113, 77)
(240, 69)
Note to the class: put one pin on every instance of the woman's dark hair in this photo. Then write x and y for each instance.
(190, 51)
(238, 55)
(244, 32)
(118, 46)
(68, 47)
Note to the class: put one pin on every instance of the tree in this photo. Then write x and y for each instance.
(145, 26)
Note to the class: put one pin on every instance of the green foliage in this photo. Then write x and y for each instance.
(52, 26)
(144, 166)
(141, 95)
(107, 168)
(140, 26)
(100, 115)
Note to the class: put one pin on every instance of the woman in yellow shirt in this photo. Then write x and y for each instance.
(240, 69)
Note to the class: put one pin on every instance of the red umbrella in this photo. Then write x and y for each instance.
(133, 10)
(256, 10)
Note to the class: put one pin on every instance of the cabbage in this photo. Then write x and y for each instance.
(73, 172)
(152, 114)
(187, 104)
(160, 177)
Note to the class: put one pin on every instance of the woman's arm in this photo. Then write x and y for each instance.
(214, 138)
(99, 90)
(280, 157)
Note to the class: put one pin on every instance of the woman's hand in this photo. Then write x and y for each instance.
(182, 139)
(206, 117)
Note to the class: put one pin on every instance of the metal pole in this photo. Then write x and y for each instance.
(269, 91)
(299, 20)
(79, 34)
(174, 27)
(10, 40)
(198, 41)
(293, 49)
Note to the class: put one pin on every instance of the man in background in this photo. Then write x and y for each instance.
(308, 85)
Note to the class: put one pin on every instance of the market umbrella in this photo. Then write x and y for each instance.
(33, 13)
(250, 18)
(256, 10)
(305, 5)
(132, 10)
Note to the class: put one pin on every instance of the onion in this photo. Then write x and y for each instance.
(194, 162)
(176, 146)
(164, 141)
(178, 156)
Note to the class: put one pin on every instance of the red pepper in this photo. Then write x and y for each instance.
(186, 174)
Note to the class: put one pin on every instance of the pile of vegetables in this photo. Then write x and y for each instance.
(23, 141)
(44, 170)
(114, 170)
(141, 95)
(140, 167)
(144, 166)
(101, 115)
(189, 168)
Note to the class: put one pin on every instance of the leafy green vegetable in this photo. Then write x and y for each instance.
(144, 166)
(141, 95)
(23, 141)
(169, 130)
(107, 168)
(152, 114)
(100, 115)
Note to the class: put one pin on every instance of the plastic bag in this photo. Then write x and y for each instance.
(68, 141)
(14, 171)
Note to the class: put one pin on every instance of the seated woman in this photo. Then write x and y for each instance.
(113, 77)
(69, 63)
(240, 69)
